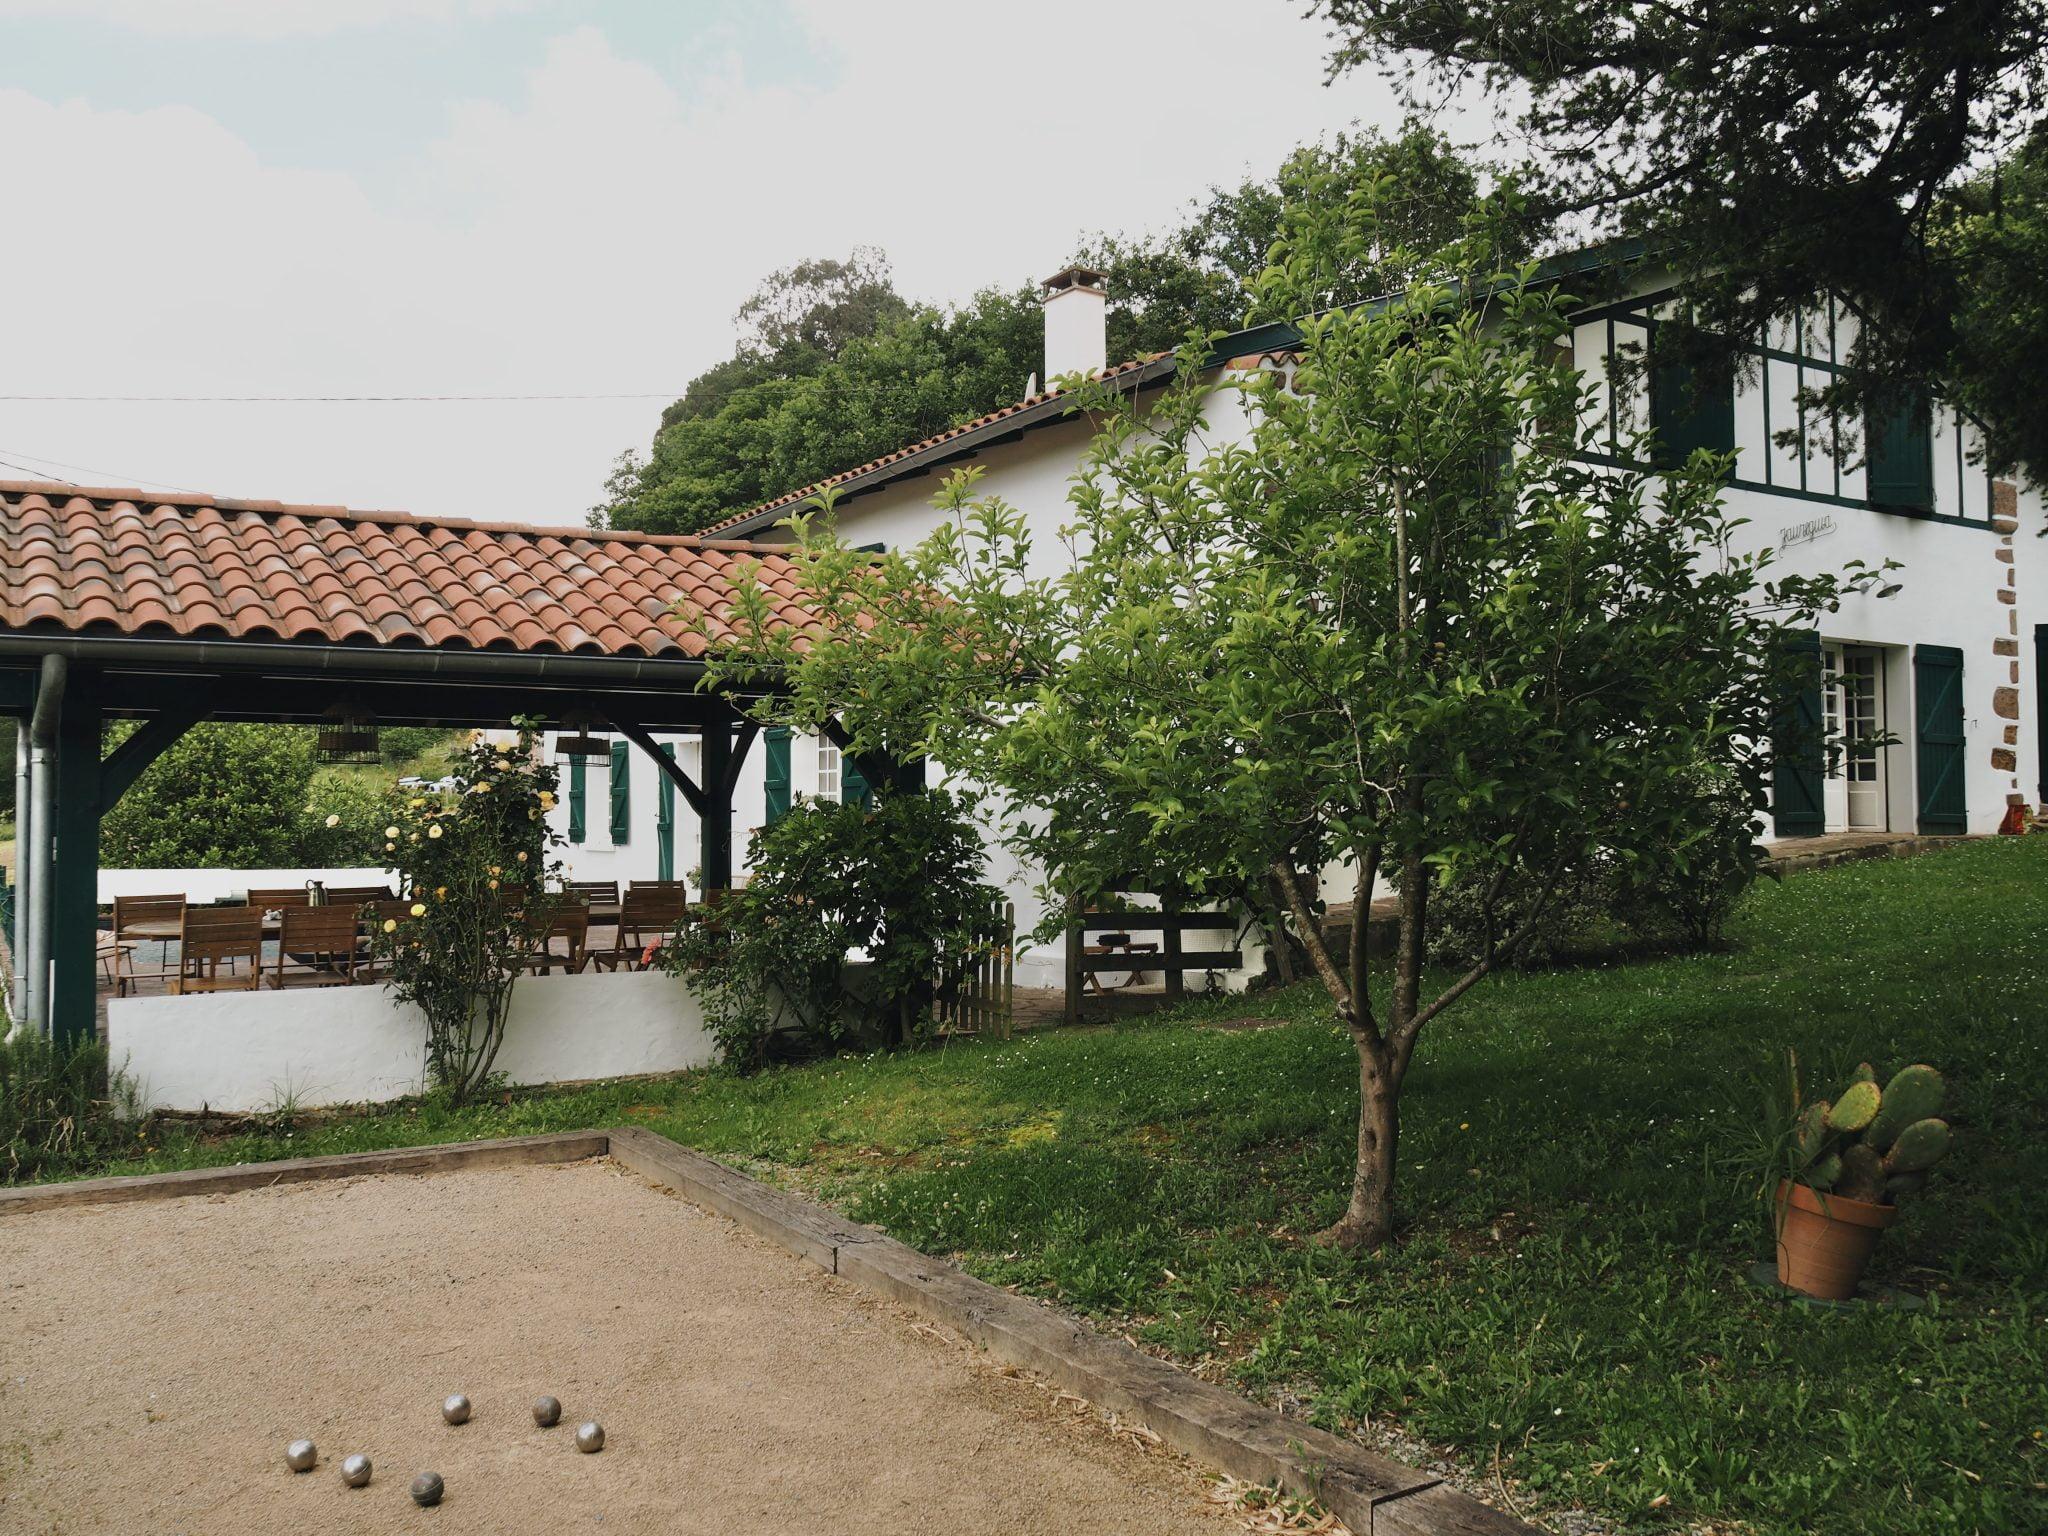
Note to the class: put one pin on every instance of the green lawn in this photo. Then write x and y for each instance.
(1567, 1309)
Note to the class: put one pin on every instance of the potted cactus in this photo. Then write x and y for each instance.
(1851, 1160)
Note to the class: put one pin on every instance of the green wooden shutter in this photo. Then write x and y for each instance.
(2041, 705)
(1901, 456)
(854, 788)
(1938, 737)
(776, 772)
(622, 794)
(665, 820)
(578, 825)
(1797, 763)
(1686, 415)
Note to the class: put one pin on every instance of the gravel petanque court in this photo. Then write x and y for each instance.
(156, 1357)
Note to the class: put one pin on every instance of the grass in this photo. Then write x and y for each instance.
(1567, 1312)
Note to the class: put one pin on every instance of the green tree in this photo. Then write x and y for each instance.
(1775, 153)
(1402, 624)
(834, 369)
(223, 796)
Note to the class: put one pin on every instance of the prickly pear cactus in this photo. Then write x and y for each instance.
(1920, 1146)
(1864, 1073)
(1822, 1173)
(1855, 1109)
(1812, 1136)
(1915, 1094)
(1862, 1175)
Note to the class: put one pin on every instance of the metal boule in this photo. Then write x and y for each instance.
(300, 1455)
(547, 1411)
(427, 1489)
(455, 1409)
(355, 1470)
(590, 1438)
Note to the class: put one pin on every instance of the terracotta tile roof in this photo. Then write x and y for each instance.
(792, 499)
(124, 562)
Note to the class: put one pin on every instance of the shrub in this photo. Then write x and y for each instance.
(222, 796)
(1678, 901)
(474, 862)
(344, 823)
(60, 1108)
(899, 879)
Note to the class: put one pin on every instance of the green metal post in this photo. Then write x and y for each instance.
(74, 916)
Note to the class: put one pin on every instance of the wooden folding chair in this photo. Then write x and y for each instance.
(648, 914)
(156, 912)
(569, 922)
(324, 942)
(215, 937)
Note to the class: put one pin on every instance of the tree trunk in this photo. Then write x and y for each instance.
(1368, 1221)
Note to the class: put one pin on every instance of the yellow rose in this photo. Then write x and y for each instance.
(547, 801)
(480, 788)
(521, 857)
(492, 884)
(415, 804)
(334, 821)
(440, 892)
(419, 909)
(496, 870)
(501, 763)
(433, 831)
(390, 847)
(391, 831)
(391, 925)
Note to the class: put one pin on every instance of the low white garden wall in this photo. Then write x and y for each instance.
(243, 1052)
(204, 885)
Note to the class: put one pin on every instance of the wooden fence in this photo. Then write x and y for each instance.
(1105, 941)
(977, 995)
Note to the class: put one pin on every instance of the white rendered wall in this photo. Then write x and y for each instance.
(250, 1051)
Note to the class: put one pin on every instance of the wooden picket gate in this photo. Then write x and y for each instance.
(977, 996)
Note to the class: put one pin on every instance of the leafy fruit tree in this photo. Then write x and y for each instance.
(1780, 152)
(1395, 625)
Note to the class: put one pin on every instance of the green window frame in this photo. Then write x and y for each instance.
(579, 794)
(622, 794)
(1900, 459)
(775, 773)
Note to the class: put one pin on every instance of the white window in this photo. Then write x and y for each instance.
(828, 770)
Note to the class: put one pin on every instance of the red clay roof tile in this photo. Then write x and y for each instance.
(128, 563)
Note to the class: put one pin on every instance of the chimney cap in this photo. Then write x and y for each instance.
(1076, 276)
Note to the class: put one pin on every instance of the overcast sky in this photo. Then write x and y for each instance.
(407, 197)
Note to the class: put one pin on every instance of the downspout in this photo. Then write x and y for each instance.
(42, 772)
(18, 930)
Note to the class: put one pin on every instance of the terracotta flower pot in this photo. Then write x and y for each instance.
(1825, 1240)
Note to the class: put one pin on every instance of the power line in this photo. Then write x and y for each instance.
(104, 476)
(318, 399)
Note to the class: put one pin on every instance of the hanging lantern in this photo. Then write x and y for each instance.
(580, 736)
(348, 735)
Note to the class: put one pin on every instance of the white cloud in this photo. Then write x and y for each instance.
(256, 18)
(593, 235)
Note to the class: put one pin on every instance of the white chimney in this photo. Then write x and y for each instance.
(1076, 323)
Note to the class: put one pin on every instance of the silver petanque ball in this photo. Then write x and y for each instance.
(547, 1411)
(300, 1455)
(455, 1409)
(427, 1489)
(355, 1470)
(590, 1438)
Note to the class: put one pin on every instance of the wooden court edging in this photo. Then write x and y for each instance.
(560, 1147)
(1372, 1495)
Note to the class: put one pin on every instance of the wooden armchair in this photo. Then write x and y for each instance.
(325, 943)
(597, 893)
(144, 920)
(211, 940)
(647, 915)
(569, 922)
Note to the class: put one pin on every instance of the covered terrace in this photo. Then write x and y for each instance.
(170, 610)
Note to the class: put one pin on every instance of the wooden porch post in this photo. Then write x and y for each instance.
(716, 816)
(74, 912)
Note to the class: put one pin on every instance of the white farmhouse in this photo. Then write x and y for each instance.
(1948, 665)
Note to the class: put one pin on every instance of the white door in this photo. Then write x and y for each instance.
(1862, 687)
(1835, 786)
